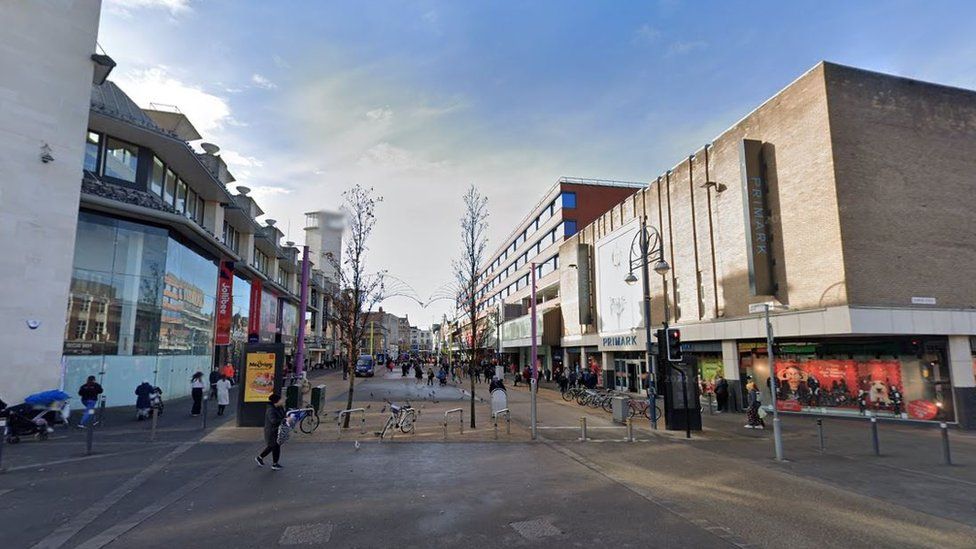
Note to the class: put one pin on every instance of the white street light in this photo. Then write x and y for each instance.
(661, 267)
(630, 279)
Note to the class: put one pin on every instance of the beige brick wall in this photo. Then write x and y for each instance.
(905, 156)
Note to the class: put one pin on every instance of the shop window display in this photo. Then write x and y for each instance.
(913, 385)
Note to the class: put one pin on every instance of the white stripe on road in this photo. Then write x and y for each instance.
(84, 458)
(60, 536)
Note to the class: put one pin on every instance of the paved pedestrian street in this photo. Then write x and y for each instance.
(196, 488)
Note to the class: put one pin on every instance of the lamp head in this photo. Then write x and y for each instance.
(630, 279)
(662, 267)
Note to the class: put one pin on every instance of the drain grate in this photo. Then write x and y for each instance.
(306, 534)
(536, 529)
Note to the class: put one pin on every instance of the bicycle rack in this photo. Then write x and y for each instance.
(630, 430)
(582, 429)
(508, 421)
(362, 428)
(460, 412)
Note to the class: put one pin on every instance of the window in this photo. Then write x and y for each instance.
(92, 144)
(569, 201)
(191, 203)
(81, 327)
(180, 203)
(569, 227)
(200, 207)
(121, 160)
(99, 327)
(260, 261)
(157, 177)
(169, 189)
(85, 305)
(102, 307)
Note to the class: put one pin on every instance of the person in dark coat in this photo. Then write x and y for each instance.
(272, 421)
(214, 378)
(143, 403)
(722, 393)
(89, 397)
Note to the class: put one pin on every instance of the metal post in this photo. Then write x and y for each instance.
(101, 410)
(494, 420)
(155, 416)
(946, 456)
(651, 363)
(89, 436)
(874, 436)
(583, 429)
(206, 399)
(630, 430)
(684, 390)
(532, 408)
(777, 428)
(821, 434)
(3, 439)
(534, 382)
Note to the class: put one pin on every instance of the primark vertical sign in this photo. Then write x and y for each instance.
(754, 200)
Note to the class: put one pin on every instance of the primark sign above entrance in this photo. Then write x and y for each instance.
(633, 341)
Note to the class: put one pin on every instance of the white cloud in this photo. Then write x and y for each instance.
(207, 112)
(269, 190)
(681, 48)
(386, 156)
(382, 113)
(262, 82)
(125, 7)
(236, 159)
(280, 62)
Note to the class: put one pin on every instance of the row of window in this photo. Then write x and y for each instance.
(261, 261)
(232, 238)
(542, 269)
(116, 159)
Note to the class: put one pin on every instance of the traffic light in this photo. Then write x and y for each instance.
(673, 343)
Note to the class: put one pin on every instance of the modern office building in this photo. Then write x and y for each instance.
(48, 72)
(504, 285)
(848, 198)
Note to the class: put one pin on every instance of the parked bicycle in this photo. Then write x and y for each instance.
(305, 419)
(401, 417)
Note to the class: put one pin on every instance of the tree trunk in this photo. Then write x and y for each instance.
(351, 368)
(472, 396)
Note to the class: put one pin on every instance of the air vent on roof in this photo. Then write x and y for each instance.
(210, 148)
(243, 190)
(270, 222)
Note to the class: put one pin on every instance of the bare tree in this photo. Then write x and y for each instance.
(467, 268)
(358, 290)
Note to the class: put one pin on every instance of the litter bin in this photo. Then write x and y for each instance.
(293, 397)
(318, 398)
(621, 410)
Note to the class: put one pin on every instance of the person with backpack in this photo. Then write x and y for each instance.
(274, 418)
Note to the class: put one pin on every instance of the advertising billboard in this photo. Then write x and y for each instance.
(620, 304)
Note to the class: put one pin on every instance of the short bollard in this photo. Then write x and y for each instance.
(205, 401)
(820, 433)
(460, 413)
(946, 456)
(630, 430)
(583, 429)
(155, 420)
(508, 421)
(362, 428)
(89, 436)
(3, 439)
(101, 410)
(874, 436)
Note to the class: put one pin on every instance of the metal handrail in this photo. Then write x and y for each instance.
(362, 428)
(460, 412)
(508, 420)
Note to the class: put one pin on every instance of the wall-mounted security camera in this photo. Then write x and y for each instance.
(33, 324)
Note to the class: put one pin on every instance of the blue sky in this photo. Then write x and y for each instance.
(420, 99)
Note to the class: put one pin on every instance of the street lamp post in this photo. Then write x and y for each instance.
(771, 361)
(648, 241)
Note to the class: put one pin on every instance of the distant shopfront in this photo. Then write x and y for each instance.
(903, 377)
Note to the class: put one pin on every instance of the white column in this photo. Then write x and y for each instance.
(961, 362)
(730, 359)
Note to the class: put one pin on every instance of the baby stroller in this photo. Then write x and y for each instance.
(19, 424)
(51, 406)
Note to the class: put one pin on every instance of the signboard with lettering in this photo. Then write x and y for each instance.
(225, 303)
(254, 315)
(757, 227)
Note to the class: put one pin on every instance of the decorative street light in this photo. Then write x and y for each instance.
(648, 242)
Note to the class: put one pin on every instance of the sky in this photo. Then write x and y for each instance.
(421, 99)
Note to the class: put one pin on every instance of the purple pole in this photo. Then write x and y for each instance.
(535, 369)
(302, 307)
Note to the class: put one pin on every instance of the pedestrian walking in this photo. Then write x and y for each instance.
(572, 378)
(273, 419)
(563, 382)
(196, 391)
(214, 378)
(721, 393)
(228, 372)
(753, 421)
(430, 376)
(418, 373)
(223, 394)
(89, 397)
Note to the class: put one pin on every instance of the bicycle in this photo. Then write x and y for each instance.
(401, 417)
(573, 392)
(306, 419)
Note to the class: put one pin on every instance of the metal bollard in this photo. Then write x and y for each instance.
(583, 429)
(946, 456)
(89, 436)
(630, 430)
(155, 416)
(101, 410)
(206, 399)
(820, 433)
(3, 439)
(874, 436)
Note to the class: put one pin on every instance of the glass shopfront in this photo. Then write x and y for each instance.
(140, 308)
(894, 377)
(630, 371)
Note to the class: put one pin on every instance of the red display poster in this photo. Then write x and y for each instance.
(922, 409)
(837, 382)
(254, 318)
(225, 303)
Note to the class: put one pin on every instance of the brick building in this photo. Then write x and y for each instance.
(849, 198)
